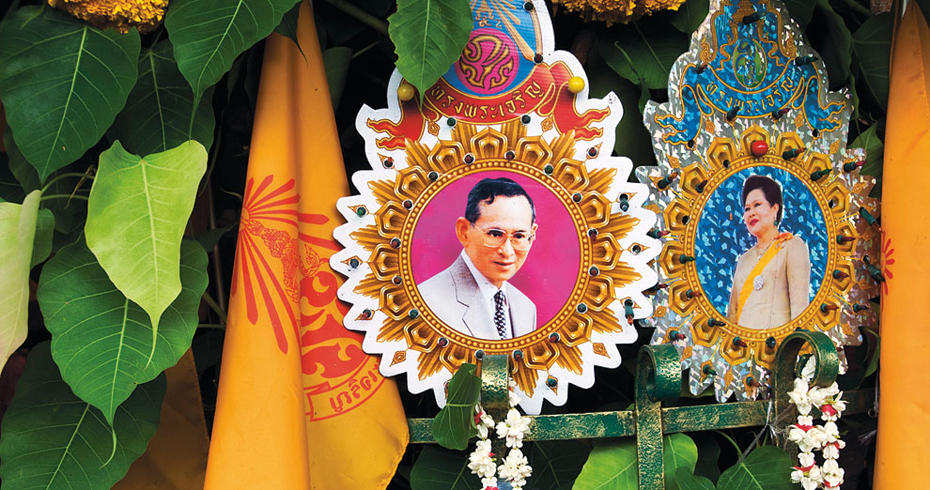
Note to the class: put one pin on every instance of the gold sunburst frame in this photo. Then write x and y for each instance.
(600, 225)
(725, 158)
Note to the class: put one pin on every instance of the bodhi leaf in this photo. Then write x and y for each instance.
(428, 36)
(136, 214)
(45, 233)
(556, 464)
(157, 116)
(644, 52)
(440, 468)
(685, 480)
(53, 440)
(690, 15)
(17, 231)
(454, 425)
(874, 154)
(102, 340)
(872, 44)
(679, 451)
(765, 468)
(62, 83)
(609, 466)
(208, 35)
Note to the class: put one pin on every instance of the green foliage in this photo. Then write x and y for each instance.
(157, 116)
(556, 464)
(53, 440)
(765, 468)
(872, 45)
(644, 52)
(17, 230)
(208, 35)
(42, 243)
(337, 62)
(679, 452)
(690, 15)
(685, 480)
(834, 42)
(143, 204)
(62, 83)
(288, 25)
(428, 36)
(609, 466)
(454, 425)
(101, 339)
(440, 468)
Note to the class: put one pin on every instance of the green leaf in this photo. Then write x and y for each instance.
(102, 340)
(872, 44)
(689, 481)
(556, 464)
(610, 466)
(288, 26)
(643, 52)
(874, 156)
(210, 238)
(440, 468)
(62, 83)
(833, 41)
(336, 60)
(765, 468)
(157, 116)
(208, 35)
(428, 36)
(45, 232)
(679, 451)
(136, 214)
(690, 15)
(53, 440)
(20, 168)
(17, 231)
(10, 188)
(454, 425)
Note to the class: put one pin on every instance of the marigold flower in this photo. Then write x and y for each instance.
(122, 15)
(612, 11)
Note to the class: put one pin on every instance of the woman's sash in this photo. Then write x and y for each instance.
(767, 257)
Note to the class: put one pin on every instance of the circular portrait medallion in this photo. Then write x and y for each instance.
(497, 243)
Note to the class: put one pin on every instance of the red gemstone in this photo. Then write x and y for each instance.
(759, 148)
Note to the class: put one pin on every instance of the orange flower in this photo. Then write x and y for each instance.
(612, 11)
(122, 15)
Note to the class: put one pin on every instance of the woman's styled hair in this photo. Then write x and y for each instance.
(770, 188)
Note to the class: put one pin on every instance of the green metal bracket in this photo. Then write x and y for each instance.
(658, 381)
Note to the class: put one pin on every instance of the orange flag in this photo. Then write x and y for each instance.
(299, 405)
(904, 411)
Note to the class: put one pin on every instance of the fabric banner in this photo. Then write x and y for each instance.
(300, 405)
(904, 410)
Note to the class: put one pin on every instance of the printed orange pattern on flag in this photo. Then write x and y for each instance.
(300, 405)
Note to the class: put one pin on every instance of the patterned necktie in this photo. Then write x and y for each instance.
(499, 314)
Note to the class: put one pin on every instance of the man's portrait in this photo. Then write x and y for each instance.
(473, 295)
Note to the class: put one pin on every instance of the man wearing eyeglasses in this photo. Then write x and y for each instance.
(473, 295)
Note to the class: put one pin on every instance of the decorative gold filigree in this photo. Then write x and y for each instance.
(599, 231)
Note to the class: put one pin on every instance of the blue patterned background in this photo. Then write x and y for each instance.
(722, 236)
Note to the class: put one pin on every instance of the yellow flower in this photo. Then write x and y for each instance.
(612, 11)
(121, 15)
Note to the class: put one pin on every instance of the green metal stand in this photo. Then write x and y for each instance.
(658, 381)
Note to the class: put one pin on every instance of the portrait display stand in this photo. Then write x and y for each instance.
(767, 224)
(505, 147)
(499, 179)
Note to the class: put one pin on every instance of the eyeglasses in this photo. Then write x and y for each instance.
(494, 238)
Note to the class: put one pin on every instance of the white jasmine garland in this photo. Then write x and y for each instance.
(515, 468)
(810, 437)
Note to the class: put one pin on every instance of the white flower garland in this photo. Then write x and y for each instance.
(515, 468)
(810, 437)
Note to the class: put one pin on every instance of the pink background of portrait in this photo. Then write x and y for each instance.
(551, 268)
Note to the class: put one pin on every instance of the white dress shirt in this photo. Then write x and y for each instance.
(487, 292)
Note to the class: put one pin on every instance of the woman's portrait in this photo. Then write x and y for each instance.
(771, 284)
(776, 232)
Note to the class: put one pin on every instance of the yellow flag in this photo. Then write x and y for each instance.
(299, 404)
(904, 411)
(176, 457)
